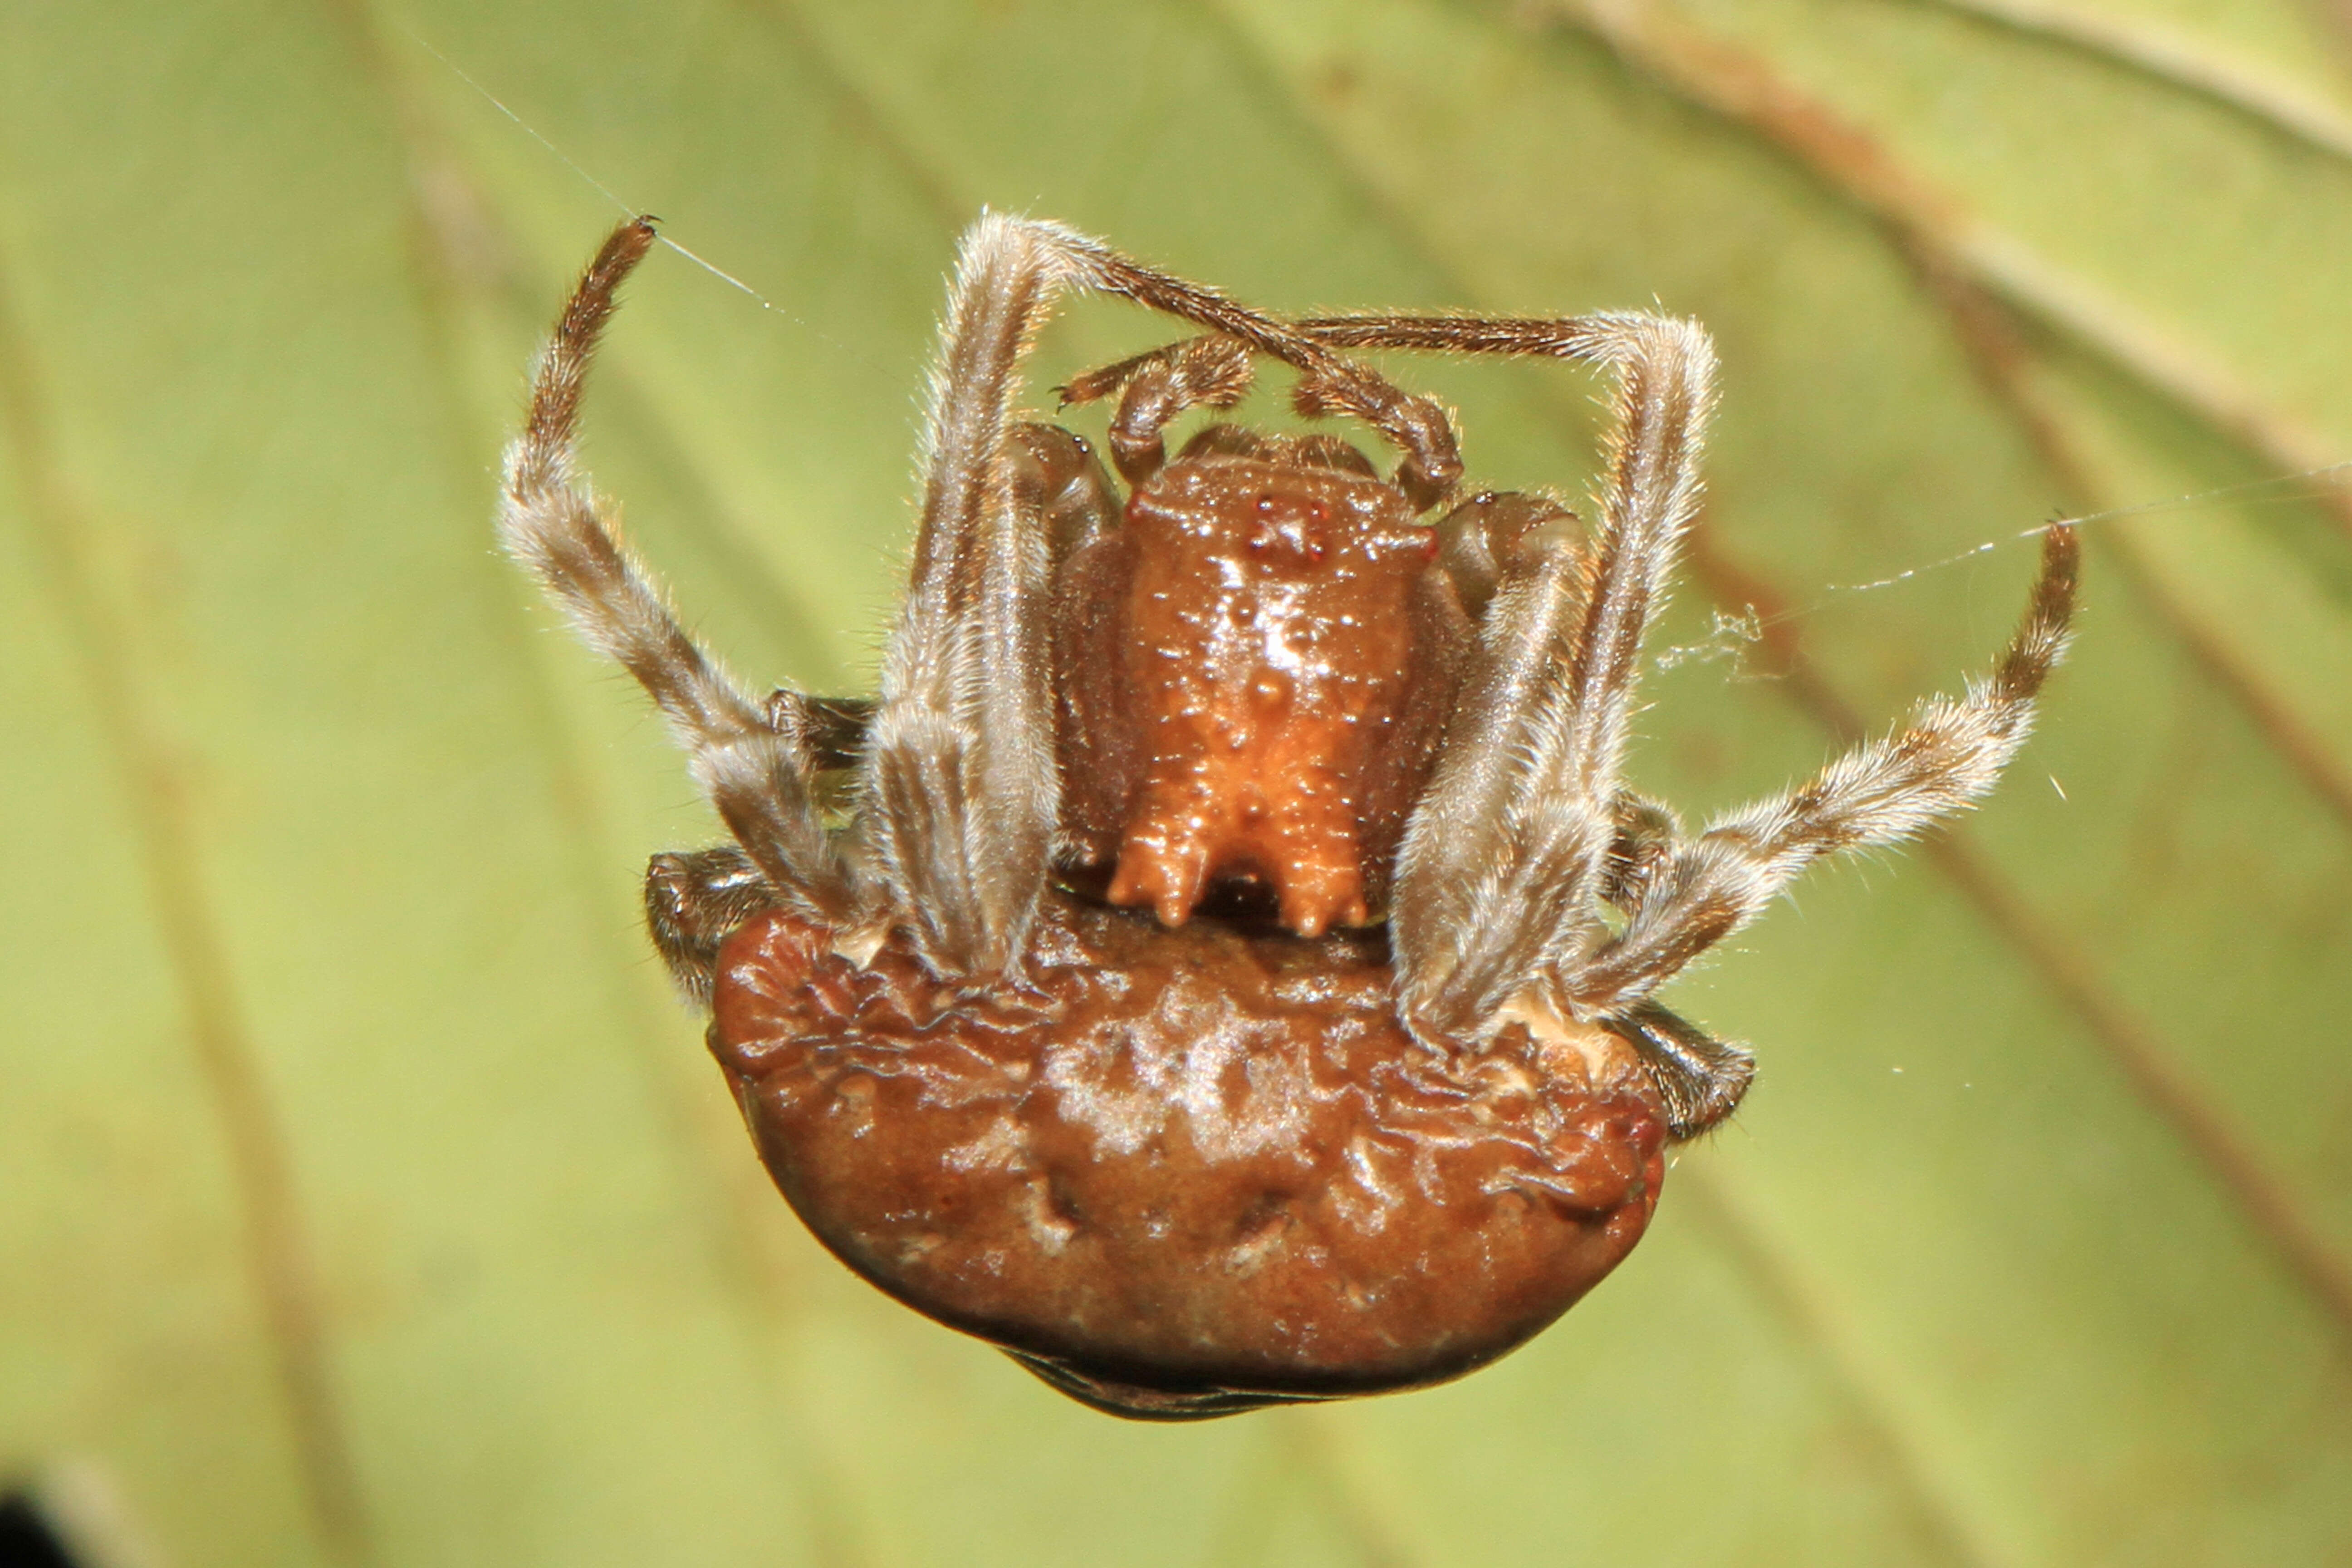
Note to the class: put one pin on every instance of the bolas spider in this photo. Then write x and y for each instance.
(1218, 968)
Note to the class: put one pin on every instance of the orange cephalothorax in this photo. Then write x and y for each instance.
(1281, 654)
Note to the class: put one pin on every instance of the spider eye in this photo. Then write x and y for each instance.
(1298, 528)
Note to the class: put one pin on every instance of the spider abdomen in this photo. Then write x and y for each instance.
(1181, 1172)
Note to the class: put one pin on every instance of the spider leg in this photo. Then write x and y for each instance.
(693, 901)
(831, 728)
(1156, 389)
(751, 759)
(1329, 382)
(1477, 540)
(1058, 477)
(1942, 761)
(960, 783)
(1647, 833)
(695, 898)
(1502, 337)
(1507, 853)
(1701, 1080)
(1685, 895)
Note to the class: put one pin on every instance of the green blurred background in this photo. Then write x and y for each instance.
(366, 1199)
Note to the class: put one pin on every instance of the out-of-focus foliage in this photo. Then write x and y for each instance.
(365, 1199)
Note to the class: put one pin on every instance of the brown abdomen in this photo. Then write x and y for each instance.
(1182, 1172)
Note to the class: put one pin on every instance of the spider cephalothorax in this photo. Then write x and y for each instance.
(1231, 977)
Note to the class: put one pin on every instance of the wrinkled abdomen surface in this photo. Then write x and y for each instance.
(1183, 1172)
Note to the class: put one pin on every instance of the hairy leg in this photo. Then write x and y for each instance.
(832, 729)
(1328, 383)
(1681, 895)
(750, 758)
(1647, 833)
(1505, 861)
(1156, 389)
(961, 786)
(1702, 1080)
(693, 899)
(1945, 759)
(1478, 539)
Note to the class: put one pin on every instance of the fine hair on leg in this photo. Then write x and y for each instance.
(693, 900)
(1157, 388)
(1701, 1080)
(1505, 857)
(1942, 761)
(1682, 896)
(749, 757)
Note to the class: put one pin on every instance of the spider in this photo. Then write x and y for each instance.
(1219, 968)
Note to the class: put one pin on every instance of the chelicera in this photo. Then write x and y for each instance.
(1219, 966)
